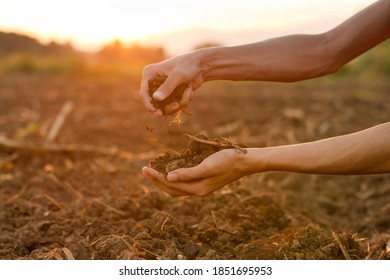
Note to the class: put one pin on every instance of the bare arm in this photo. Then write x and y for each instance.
(283, 59)
(299, 57)
(363, 152)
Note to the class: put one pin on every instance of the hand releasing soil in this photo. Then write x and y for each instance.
(176, 95)
(199, 148)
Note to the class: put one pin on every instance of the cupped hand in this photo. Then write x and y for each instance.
(213, 173)
(179, 70)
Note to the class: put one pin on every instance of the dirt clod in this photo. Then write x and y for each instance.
(199, 148)
(176, 95)
(191, 250)
(306, 243)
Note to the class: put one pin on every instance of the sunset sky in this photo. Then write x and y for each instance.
(88, 24)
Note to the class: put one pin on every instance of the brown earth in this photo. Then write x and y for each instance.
(176, 96)
(74, 203)
(199, 148)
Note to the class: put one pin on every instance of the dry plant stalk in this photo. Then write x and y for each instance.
(51, 147)
(79, 195)
(59, 121)
(68, 254)
(177, 118)
(225, 144)
(155, 142)
(68, 148)
(342, 247)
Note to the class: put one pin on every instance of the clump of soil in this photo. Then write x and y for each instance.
(199, 148)
(176, 95)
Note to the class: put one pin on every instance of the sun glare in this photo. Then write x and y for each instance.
(105, 24)
(90, 23)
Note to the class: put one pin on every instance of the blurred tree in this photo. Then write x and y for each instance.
(13, 43)
(53, 48)
(135, 54)
(16, 43)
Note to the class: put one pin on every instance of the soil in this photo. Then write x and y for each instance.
(89, 204)
(199, 148)
(155, 83)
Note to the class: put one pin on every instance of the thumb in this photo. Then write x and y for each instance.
(166, 89)
(184, 174)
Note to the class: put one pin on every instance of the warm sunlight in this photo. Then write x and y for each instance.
(194, 139)
(88, 24)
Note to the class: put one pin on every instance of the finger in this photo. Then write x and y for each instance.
(167, 189)
(175, 189)
(198, 188)
(187, 96)
(143, 93)
(146, 99)
(187, 174)
(172, 108)
(158, 180)
(166, 89)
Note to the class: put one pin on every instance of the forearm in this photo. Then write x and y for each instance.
(363, 152)
(298, 57)
(281, 59)
(361, 32)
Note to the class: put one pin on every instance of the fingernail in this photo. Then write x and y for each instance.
(145, 170)
(172, 177)
(157, 113)
(158, 95)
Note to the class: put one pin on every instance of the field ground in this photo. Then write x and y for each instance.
(89, 205)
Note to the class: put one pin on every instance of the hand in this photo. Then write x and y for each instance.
(179, 70)
(213, 173)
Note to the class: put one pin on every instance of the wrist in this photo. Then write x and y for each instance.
(254, 161)
(205, 60)
(215, 62)
(227, 63)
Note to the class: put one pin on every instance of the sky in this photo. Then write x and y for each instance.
(173, 24)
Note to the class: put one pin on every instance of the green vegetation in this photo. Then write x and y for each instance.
(20, 54)
(373, 64)
(25, 63)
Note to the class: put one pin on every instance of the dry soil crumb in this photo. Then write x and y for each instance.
(306, 243)
(176, 96)
(193, 155)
